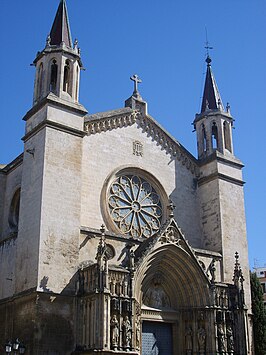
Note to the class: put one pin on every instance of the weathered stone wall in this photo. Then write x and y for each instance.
(60, 216)
(210, 216)
(10, 184)
(233, 224)
(45, 323)
(30, 214)
(7, 267)
(223, 215)
(2, 200)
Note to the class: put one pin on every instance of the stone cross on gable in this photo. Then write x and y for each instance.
(137, 81)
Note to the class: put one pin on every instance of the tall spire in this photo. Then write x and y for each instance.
(60, 31)
(211, 97)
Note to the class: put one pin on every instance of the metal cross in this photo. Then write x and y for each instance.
(137, 81)
(207, 46)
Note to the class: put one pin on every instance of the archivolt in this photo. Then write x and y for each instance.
(183, 280)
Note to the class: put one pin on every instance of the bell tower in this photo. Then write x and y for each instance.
(52, 162)
(58, 65)
(220, 183)
(214, 123)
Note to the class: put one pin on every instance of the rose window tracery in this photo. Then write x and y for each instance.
(135, 207)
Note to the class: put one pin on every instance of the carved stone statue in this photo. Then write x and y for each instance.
(156, 296)
(126, 327)
(201, 339)
(212, 269)
(217, 298)
(114, 332)
(138, 334)
(223, 299)
(189, 341)
(221, 340)
(230, 340)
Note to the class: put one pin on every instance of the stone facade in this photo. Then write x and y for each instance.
(110, 226)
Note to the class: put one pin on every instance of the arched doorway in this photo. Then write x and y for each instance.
(173, 293)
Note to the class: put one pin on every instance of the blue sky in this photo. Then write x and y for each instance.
(163, 42)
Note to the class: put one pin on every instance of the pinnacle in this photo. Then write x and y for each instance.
(60, 31)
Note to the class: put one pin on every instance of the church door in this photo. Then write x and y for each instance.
(157, 338)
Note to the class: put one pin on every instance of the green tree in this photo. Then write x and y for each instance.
(259, 315)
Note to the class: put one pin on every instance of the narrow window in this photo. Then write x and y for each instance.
(214, 136)
(77, 84)
(39, 81)
(66, 84)
(204, 139)
(227, 140)
(13, 217)
(53, 79)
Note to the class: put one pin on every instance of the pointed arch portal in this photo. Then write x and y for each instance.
(171, 289)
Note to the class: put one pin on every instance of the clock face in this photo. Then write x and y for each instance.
(134, 206)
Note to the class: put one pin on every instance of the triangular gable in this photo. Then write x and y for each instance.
(106, 121)
(169, 234)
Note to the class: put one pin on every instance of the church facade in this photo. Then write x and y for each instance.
(113, 237)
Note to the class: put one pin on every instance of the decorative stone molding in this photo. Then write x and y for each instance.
(119, 119)
(168, 143)
(108, 123)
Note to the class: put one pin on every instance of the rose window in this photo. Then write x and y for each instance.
(135, 206)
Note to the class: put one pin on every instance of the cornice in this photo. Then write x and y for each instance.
(54, 125)
(219, 157)
(96, 233)
(220, 176)
(13, 165)
(56, 101)
(148, 125)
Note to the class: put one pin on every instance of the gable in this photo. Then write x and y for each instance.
(110, 120)
(110, 147)
(168, 253)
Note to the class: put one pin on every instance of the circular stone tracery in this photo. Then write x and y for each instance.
(135, 206)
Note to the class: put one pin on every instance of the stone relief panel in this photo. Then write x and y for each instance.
(137, 148)
(156, 296)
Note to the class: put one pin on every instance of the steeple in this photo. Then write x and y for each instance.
(211, 99)
(60, 31)
(58, 65)
(214, 123)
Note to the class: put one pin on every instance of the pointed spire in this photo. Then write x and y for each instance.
(211, 97)
(60, 31)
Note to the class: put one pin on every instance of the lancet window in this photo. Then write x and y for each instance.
(53, 78)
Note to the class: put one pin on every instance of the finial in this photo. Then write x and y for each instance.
(238, 274)
(228, 107)
(102, 246)
(48, 41)
(208, 60)
(102, 229)
(137, 81)
(76, 44)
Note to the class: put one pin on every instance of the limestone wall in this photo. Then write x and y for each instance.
(30, 214)
(11, 182)
(2, 200)
(234, 237)
(60, 216)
